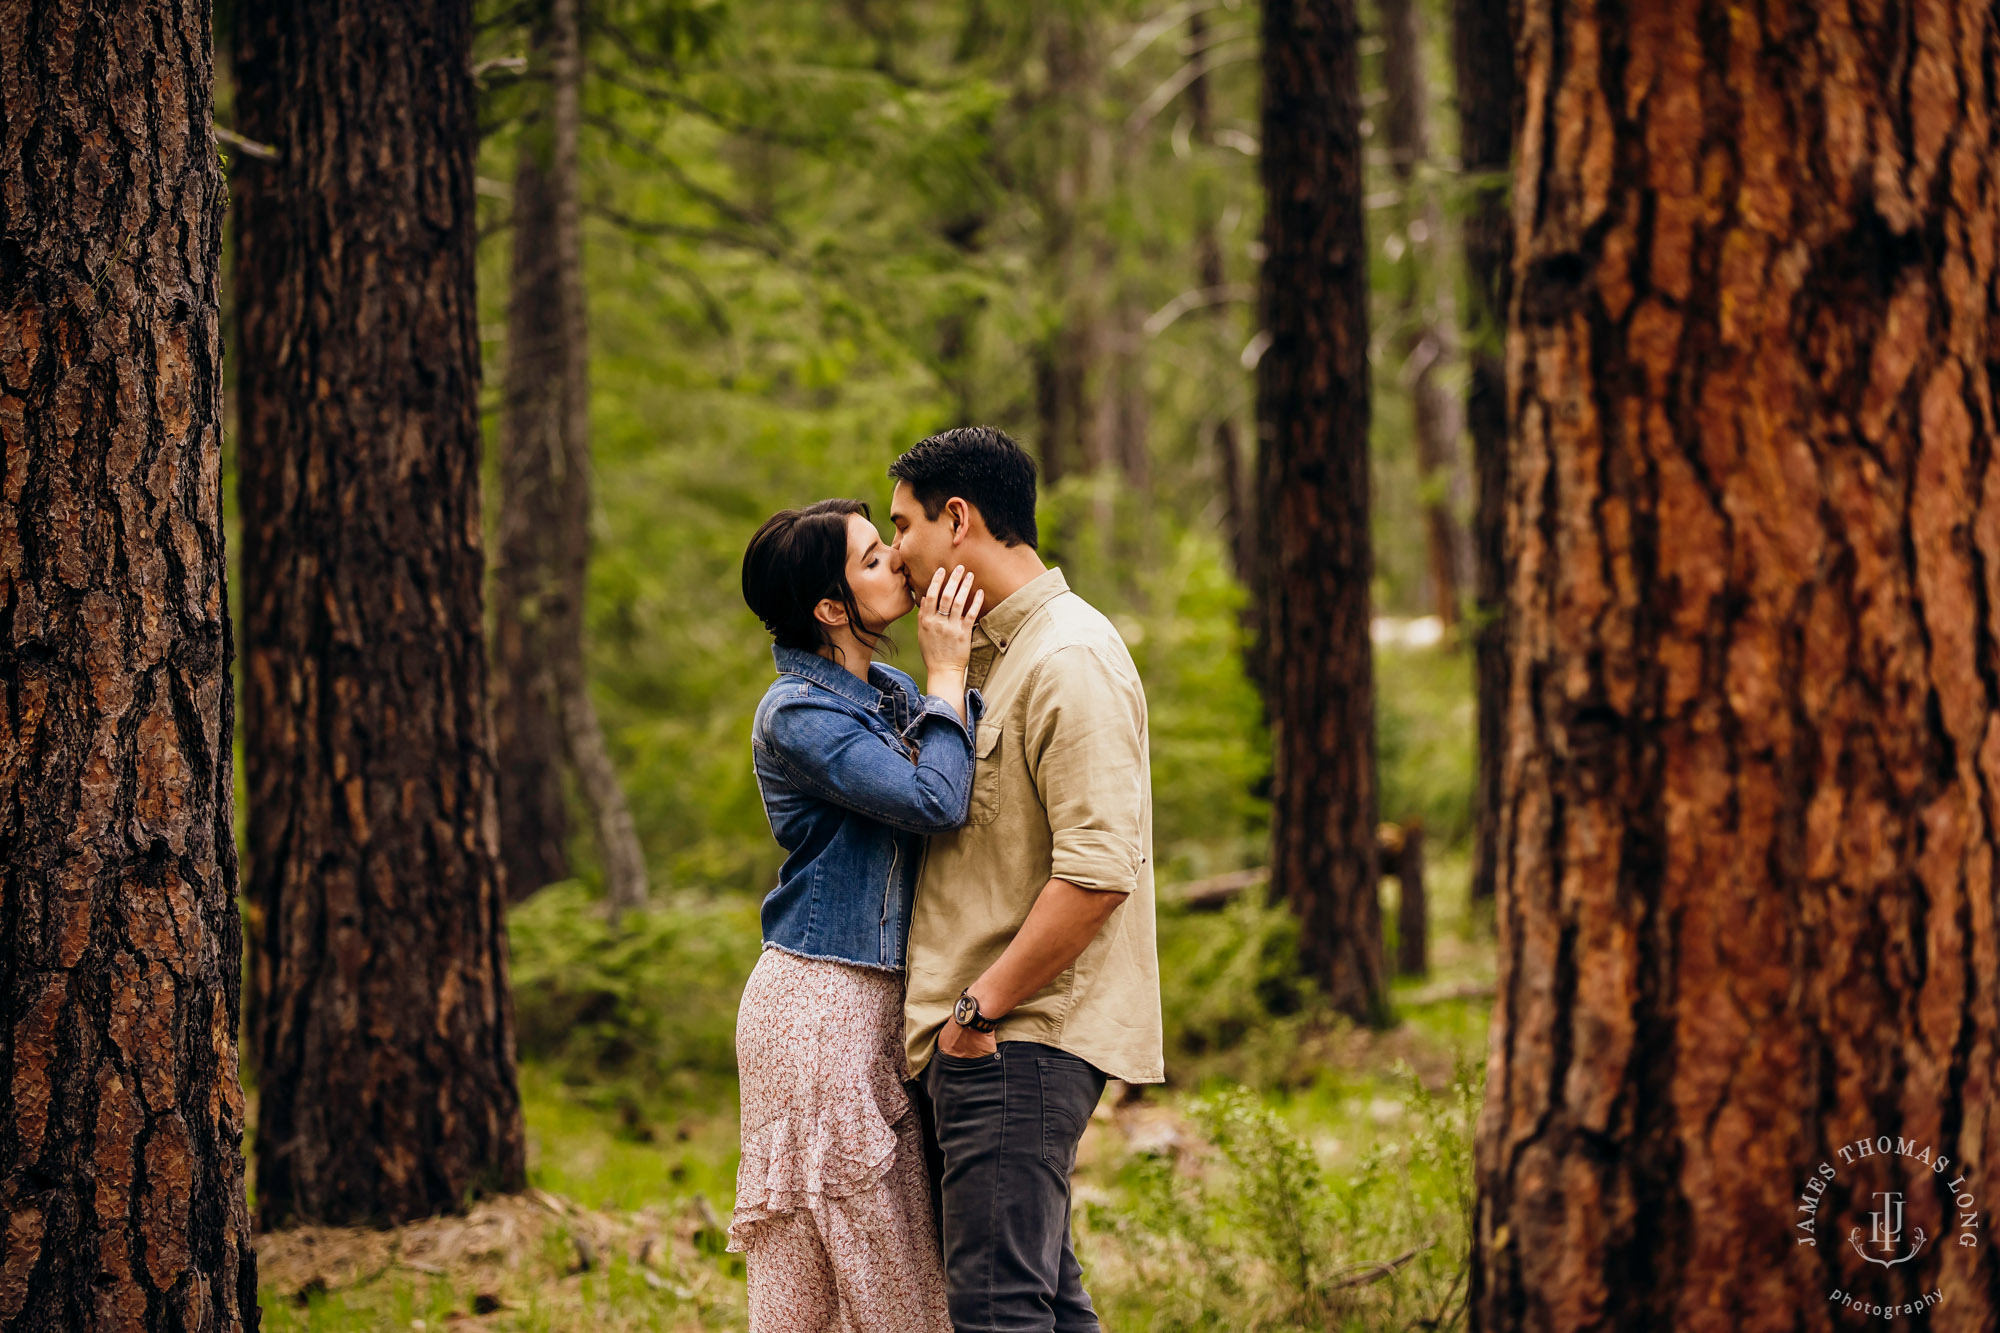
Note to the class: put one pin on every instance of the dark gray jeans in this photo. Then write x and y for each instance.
(1005, 1127)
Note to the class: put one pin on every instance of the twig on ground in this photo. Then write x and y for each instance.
(1377, 1270)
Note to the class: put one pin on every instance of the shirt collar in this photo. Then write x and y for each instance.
(1001, 623)
(831, 675)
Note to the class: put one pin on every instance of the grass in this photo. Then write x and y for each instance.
(527, 1273)
(579, 1151)
(1257, 1193)
(1359, 1152)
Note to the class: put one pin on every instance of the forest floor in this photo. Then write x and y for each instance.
(1296, 1173)
(648, 1253)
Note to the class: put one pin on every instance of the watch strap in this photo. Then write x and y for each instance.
(966, 1014)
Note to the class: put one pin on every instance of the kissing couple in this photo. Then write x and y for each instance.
(960, 947)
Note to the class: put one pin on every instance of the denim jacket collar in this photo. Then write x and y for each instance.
(832, 676)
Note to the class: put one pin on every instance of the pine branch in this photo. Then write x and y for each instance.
(262, 151)
(711, 307)
(1196, 299)
(716, 235)
(1230, 53)
(652, 153)
(685, 102)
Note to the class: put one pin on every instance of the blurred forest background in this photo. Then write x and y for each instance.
(812, 234)
(379, 849)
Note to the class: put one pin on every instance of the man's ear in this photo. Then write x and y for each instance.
(959, 514)
(830, 613)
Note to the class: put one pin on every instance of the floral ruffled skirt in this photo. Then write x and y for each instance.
(833, 1209)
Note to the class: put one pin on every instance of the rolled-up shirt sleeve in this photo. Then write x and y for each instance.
(1084, 737)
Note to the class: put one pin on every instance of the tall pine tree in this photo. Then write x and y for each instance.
(1747, 898)
(383, 1029)
(1312, 412)
(121, 1113)
(544, 720)
(1483, 54)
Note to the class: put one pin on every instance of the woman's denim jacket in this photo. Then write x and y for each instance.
(852, 776)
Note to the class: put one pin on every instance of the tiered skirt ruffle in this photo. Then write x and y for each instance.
(820, 1063)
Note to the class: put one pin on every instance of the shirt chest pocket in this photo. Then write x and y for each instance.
(986, 752)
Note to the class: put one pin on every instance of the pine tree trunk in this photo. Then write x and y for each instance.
(384, 1031)
(1425, 303)
(1063, 180)
(1211, 274)
(542, 709)
(534, 465)
(1483, 50)
(1238, 523)
(1312, 408)
(121, 1112)
(1747, 901)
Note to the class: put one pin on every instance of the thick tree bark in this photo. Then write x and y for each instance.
(1747, 902)
(121, 1113)
(1483, 50)
(384, 1032)
(1312, 408)
(541, 698)
(1425, 305)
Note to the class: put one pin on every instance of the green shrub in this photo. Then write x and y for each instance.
(1425, 740)
(1249, 1230)
(1231, 994)
(646, 1010)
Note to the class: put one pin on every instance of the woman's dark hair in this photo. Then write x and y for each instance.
(796, 559)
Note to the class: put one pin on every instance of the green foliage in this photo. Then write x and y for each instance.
(1250, 1229)
(635, 1015)
(634, 1153)
(1425, 740)
(1232, 997)
(815, 234)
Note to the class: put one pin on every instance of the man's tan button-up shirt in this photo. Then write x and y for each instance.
(1061, 789)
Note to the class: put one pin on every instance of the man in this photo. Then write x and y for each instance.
(1032, 969)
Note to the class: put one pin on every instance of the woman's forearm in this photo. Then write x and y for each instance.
(948, 684)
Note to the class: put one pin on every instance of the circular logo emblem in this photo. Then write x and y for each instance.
(1877, 1230)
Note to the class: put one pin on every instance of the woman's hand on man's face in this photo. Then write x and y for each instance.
(945, 615)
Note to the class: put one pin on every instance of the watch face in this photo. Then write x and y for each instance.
(964, 1009)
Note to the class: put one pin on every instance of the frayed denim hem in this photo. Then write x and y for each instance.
(832, 958)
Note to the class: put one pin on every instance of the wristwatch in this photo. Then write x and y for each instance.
(966, 1014)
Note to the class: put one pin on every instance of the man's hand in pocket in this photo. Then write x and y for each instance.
(964, 1043)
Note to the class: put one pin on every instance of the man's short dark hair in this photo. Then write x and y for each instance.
(982, 466)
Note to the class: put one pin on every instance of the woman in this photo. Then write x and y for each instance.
(833, 1208)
